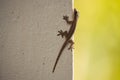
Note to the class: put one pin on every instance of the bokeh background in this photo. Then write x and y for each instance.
(97, 40)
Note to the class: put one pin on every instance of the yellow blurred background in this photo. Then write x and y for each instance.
(97, 40)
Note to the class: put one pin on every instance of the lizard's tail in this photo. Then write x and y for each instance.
(58, 57)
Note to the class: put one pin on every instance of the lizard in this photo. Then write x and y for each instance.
(67, 35)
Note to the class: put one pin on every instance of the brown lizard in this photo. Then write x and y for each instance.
(67, 35)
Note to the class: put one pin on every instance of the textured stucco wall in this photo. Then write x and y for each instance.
(28, 42)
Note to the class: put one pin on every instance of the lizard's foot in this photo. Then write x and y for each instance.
(62, 33)
(71, 45)
(66, 18)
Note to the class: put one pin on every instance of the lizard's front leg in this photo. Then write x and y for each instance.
(66, 18)
(65, 33)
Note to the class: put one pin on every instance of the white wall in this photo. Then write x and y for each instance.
(28, 42)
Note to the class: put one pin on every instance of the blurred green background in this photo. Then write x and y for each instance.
(97, 40)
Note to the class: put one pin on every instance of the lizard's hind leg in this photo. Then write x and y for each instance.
(71, 45)
(62, 34)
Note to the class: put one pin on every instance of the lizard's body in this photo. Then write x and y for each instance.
(68, 35)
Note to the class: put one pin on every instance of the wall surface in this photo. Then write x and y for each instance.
(28, 42)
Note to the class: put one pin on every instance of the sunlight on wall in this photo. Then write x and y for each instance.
(97, 40)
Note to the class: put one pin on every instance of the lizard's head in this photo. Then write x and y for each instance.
(75, 12)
